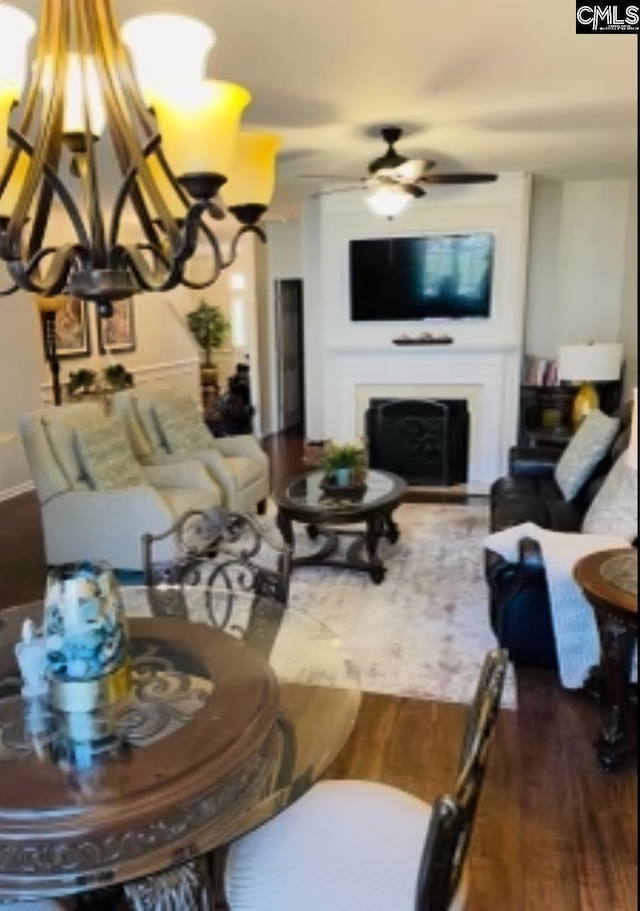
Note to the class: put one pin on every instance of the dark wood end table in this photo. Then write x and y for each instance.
(609, 580)
(305, 500)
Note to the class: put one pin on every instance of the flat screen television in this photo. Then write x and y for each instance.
(444, 276)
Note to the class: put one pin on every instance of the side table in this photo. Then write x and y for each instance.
(609, 580)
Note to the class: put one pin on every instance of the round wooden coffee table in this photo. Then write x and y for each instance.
(609, 580)
(305, 499)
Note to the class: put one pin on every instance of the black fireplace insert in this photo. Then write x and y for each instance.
(424, 441)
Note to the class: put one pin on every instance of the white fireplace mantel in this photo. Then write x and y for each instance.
(487, 377)
(348, 360)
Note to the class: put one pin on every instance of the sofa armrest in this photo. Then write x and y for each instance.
(529, 562)
(533, 462)
(244, 445)
(531, 555)
(103, 525)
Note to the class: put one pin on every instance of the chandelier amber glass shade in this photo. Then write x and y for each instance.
(199, 123)
(81, 119)
(252, 175)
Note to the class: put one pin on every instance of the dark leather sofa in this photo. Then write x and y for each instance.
(519, 602)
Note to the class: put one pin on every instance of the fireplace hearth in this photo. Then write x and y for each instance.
(424, 441)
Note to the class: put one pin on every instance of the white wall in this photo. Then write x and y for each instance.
(629, 314)
(20, 375)
(579, 256)
(331, 221)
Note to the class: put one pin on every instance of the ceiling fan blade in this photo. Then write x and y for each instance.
(355, 186)
(350, 178)
(413, 169)
(458, 178)
(414, 190)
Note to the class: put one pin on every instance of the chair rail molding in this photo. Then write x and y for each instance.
(185, 370)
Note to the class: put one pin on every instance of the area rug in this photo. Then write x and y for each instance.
(425, 631)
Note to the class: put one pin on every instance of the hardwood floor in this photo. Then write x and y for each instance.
(554, 832)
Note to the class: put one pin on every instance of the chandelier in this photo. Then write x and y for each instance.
(131, 122)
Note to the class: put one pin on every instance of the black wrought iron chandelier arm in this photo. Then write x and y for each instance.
(56, 276)
(245, 229)
(11, 289)
(218, 262)
(67, 200)
(131, 256)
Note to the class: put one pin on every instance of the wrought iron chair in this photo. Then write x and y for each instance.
(218, 552)
(290, 863)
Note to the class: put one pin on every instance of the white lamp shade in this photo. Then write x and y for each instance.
(165, 47)
(82, 76)
(632, 455)
(595, 363)
(16, 30)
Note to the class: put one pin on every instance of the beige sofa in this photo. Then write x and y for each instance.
(84, 524)
(238, 465)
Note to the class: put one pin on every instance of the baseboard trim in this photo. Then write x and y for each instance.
(16, 491)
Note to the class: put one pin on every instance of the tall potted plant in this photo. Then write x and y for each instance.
(210, 330)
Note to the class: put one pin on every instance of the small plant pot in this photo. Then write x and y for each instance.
(342, 477)
(209, 375)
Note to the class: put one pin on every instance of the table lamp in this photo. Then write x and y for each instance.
(589, 364)
(632, 454)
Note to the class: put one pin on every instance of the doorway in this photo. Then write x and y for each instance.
(289, 318)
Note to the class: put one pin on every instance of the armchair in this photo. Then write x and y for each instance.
(237, 465)
(81, 523)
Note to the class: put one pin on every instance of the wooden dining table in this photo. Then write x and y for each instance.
(232, 716)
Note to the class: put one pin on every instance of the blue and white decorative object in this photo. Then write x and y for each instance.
(31, 655)
(86, 638)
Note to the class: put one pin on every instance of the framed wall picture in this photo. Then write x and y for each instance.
(117, 334)
(73, 337)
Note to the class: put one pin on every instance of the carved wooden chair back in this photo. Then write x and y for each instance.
(218, 553)
(453, 816)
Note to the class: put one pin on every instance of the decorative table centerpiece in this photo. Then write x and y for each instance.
(344, 465)
(86, 638)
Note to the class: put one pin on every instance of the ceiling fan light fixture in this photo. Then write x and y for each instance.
(388, 202)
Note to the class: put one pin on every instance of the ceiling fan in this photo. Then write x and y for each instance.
(404, 176)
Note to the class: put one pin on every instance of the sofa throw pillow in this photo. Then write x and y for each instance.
(106, 456)
(588, 447)
(614, 510)
(181, 426)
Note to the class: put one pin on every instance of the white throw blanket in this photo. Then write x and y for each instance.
(573, 619)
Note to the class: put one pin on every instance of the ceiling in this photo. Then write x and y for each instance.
(501, 85)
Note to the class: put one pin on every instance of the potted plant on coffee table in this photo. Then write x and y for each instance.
(344, 465)
(210, 330)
